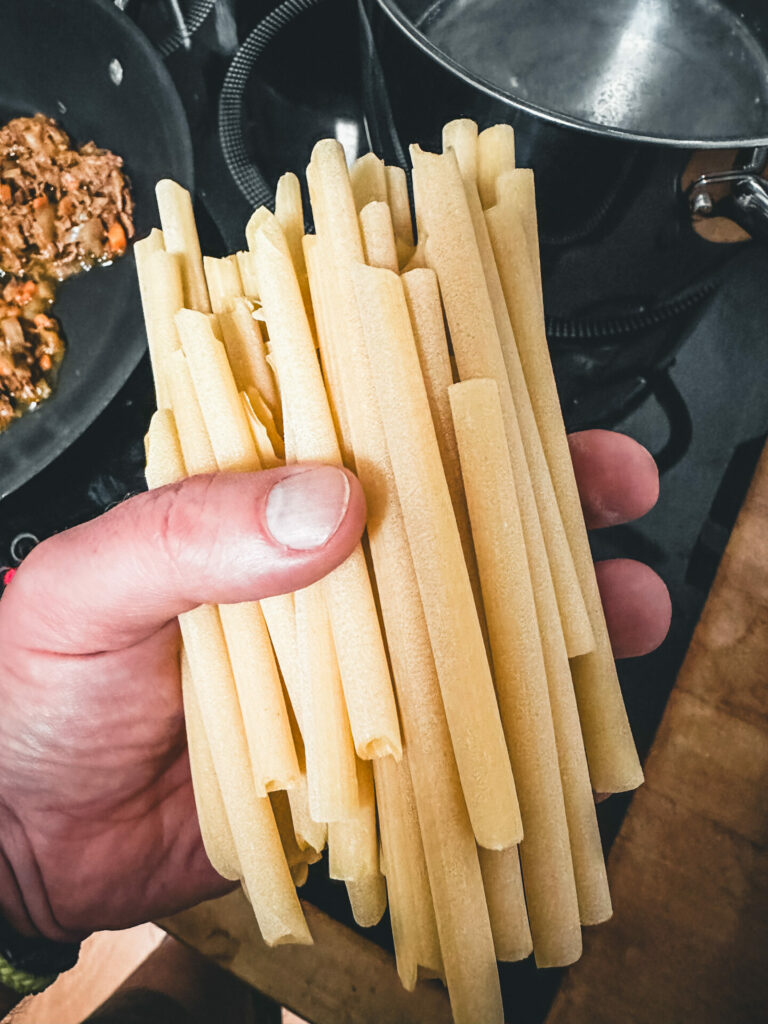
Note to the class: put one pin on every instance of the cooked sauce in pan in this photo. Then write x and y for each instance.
(62, 210)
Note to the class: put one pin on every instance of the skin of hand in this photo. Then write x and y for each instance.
(97, 819)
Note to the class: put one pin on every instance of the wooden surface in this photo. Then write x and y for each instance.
(106, 960)
(342, 979)
(689, 871)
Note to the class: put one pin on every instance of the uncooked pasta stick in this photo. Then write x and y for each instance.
(495, 156)
(611, 753)
(453, 252)
(368, 899)
(461, 136)
(399, 204)
(516, 189)
(258, 848)
(195, 444)
(294, 853)
(264, 413)
(310, 834)
(217, 393)
(357, 635)
(319, 271)
(158, 298)
(259, 216)
(252, 658)
(353, 844)
(414, 929)
(224, 282)
(247, 267)
(576, 625)
(506, 903)
(449, 606)
(214, 826)
(423, 297)
(519, 668)
(449, 846)
(378, 236)
(289, 212)
(267, 455)
(368, 178)
(261, 697)
(247, 354)
(328, 746)
(367, 303)
(180, 235)
(418, 258)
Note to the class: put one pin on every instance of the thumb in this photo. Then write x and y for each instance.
(207, 540)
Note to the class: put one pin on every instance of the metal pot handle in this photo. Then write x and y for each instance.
(747, 201)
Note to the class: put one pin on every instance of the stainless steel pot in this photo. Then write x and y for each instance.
(612, 102)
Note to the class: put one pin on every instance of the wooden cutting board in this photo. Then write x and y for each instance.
(689, 870)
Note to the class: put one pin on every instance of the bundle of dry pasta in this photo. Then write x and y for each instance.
(437, 714)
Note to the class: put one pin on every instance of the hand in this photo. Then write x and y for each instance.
(97, 820)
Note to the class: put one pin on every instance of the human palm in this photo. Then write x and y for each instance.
(97, 820)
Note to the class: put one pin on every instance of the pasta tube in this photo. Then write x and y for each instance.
(223, 279)
(214, 825)
(351, 606)
(506, 903)
(495, 156)
(613, 762)
(449, 607)
(180, 234)
(399, 204)
(257, 842)
(454, 254)
(414, 928)
(369, 181)
(520, 672)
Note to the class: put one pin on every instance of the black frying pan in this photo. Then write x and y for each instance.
(85, 64)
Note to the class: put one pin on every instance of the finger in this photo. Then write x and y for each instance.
(207, 540)
(618, 479)
(637, 606)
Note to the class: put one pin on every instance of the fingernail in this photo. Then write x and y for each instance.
(304, 510)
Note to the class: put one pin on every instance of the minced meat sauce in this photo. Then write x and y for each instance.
(62, 209)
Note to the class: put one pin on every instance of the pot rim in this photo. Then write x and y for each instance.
(392, 9)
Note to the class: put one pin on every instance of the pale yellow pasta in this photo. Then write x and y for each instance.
(247, 354)
(423, 297)
(495, 156)
(180, 236)
(258, 848)
(247, 267)
(378, 236)
(369, 180)
(446, 593)
(214, 825)
(519, 670)
(461, 136)
(503, 883)
(353, 844)
(328, 745)
(516, 190)
(453, 252)
(399, 204)
(411, 912)
(613, 762)
(449, 846)
(161, 296)
(357, 635)
(223, 279)
(195, 443)
(368, 899)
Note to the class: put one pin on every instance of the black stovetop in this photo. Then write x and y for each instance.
(709, 415)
